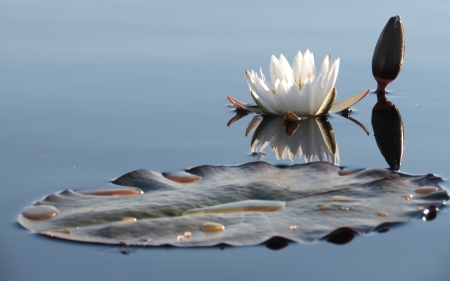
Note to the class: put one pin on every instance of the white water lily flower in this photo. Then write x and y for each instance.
(298, 90)
(295, 89)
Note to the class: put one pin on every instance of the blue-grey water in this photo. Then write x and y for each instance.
(92, 90)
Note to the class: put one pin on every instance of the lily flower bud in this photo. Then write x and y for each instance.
(388, 56)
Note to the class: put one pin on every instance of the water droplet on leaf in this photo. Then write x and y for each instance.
(324, 207)
(340, 198)
(112, 192)
(423, 191)
(41, 212)
(382, 214)
(212, 226)
(407, 196)
(181, 177)
(240, 206)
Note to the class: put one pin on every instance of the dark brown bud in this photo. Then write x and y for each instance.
(388, 56)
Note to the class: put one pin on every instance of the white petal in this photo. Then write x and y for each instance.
(262, 104)
(304, 68)
(263, 91)
(286, 69)
(331, 79)
(251, 81)
(312, 67)
(276, 70)
(294, 98)
(300, 103)
(317, 97)
(325, 67)
(306, 93)
(277, 83)
(271, 99)
(273, 64)
(269, 85)
(282, 95)
(308, 67)
(262, 75)
(262, 95)
(297, 67)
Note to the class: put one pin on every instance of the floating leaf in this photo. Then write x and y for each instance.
(242, 205)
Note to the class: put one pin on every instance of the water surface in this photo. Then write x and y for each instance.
(94, 90)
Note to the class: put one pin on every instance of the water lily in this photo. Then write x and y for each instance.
(296, 90)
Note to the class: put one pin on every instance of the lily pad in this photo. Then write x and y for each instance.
(241, 205)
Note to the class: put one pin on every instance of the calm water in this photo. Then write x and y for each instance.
(91, 91)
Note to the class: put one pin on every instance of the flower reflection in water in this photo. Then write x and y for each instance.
(311, 138)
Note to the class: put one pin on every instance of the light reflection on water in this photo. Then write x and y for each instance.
(146, 88)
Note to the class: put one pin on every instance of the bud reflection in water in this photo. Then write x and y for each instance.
(388, 130)
(311, 138)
